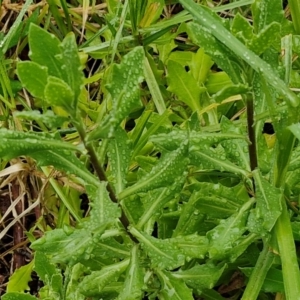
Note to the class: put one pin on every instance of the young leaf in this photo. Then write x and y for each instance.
(124, 89)
(103, 209)
(163, 253)
(184, 85)
(119, 151)
(223, 237)
(48, 54)
(134, 281)
(172, 288)
(200, 277)
(43, 267)
(59, 93)
(72, 66)
(92, 285)
(18, 282)
(172, 166)
(33, 77)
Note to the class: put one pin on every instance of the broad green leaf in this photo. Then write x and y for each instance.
(18, 282)
(134, 279)
(200, 66)
(190, 220)
(200, 277)
(268, 203)
(154, 201)
(119, 151)
(184, 58)
(214, 158)
(229, 91)
(124, 90)
(172, 288)
(184, 85)
(193, 246)
(265, 12)
(45, 50)
(216, 82)
(265, 39)
(17, 143)
(43, 267)
(163, 253)
(92, 285)
(213, 27)
(171, 166)
(65, 161)
(59, 93)
(48, 118)
(72, 66)
(33, 77)
(17, 296)
(242, 28)
(172, 141)
(69, 245)
(103, 209)
(224, 236)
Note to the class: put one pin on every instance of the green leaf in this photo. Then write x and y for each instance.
(154, 201)
(215, 159)
(43, 267)
(268, 204)
(134, 279)
(193, 246)
(171, 166)
(33, 77)
(17, 296)
(92, 285)
(124, 90)
(72, 66)
(49, 118)
(229, 91)
(242, 28)
(103, 209)
(59, 93)
(68, 245)
(213, 27)
(163, 253)
(265, 39)
(45, 50)
(225, 235)
(200, 277)
(17, 143)
(119, 151)
(295, 129)
(265, 12)
(184, 85)
(172, 140)
(173, 288)
(219, 53)
(200, 66)
(18, 282)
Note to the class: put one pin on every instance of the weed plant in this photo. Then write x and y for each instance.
(149, 150)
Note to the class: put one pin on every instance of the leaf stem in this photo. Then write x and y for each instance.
(101, 174)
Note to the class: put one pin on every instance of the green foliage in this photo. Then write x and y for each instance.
(184, 189)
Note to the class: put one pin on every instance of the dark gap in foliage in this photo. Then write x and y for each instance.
(268, 128)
